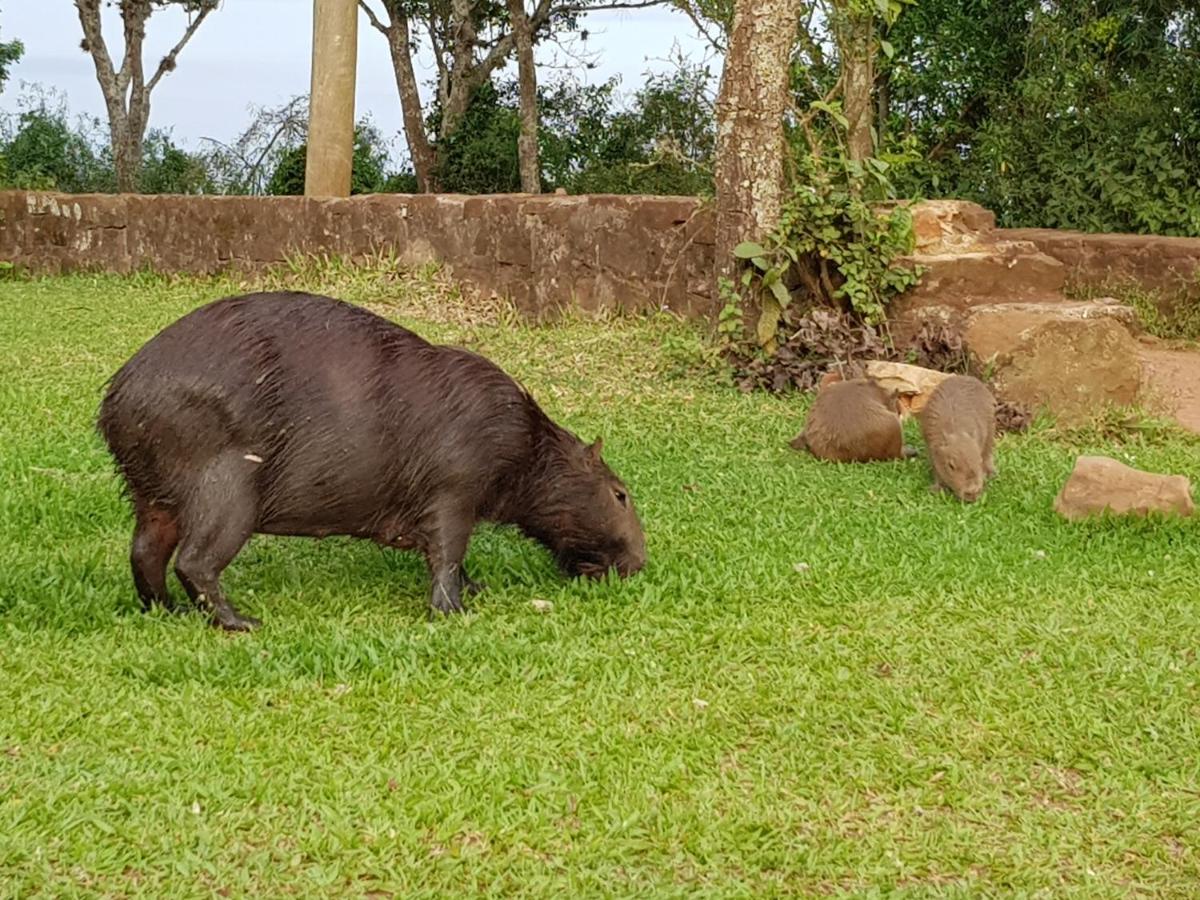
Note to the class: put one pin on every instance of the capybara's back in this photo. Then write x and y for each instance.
(853, 421)
(959, 426)
(297, 414)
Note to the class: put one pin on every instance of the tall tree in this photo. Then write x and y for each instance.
(126, 90)
(470, 40)
(527, 143)
(396, 26)
(751, 144)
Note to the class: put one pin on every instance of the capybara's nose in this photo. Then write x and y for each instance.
(632, 563)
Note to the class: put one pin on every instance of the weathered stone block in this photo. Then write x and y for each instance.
(1099, 484)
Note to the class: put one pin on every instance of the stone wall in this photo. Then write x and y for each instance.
(544, 252)
(1167, 264)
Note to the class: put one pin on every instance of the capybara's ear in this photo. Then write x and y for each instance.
(595, 449)
(799, 442)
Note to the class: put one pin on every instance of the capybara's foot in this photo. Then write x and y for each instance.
(445, 601)
(229, 619)
(909, 452)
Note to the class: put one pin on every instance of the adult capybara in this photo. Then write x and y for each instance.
(853, 421)
(959, 425)
(297, 414)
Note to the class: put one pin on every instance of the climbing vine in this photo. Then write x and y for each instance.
(832, 249)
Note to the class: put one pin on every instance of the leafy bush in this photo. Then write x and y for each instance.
(368, 165)
(831, 249)
(1086, 116)
(167, 169)
(42, 150)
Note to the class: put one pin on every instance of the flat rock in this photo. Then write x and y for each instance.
(1098, 484)
(913, 383)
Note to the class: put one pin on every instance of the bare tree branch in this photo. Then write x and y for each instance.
(702, 27)
(167, 63)
(371, 17)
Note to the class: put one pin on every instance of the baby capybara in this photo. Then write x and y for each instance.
(959, 425)
(853, 421)
(297, 414)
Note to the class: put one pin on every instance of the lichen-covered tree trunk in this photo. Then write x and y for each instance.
(858, 72)
(527, 141)
(424, 160)
(751, 103)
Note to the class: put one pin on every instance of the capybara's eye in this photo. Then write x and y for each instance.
(620, 495)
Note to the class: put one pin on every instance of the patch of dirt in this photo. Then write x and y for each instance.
(1171, 378)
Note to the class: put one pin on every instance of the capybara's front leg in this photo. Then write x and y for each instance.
(467, 584)
(450, 534)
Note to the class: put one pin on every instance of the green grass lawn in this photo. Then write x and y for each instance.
(827, 681)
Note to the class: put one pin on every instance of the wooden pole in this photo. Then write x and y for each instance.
(331, 102)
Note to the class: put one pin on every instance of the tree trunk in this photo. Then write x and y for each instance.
(858, 73)
(424, 161)
(398, 32)
(751, 147)
(883, 105)
(527, 143)
(127, 156)
(462, 67)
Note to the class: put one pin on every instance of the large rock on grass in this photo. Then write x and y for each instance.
(996, 330)
(1099, 484)
(1072, 367)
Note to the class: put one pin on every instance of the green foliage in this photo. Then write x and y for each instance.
(168, 169)
(41, 150)
(661, 142)
(367, 168)
(480, 157)
(591, 141)
(1086, 115)
(832, 248)
(10, 53)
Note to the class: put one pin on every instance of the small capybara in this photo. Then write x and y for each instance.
(959, 425)
(853, 421)
(298, 414)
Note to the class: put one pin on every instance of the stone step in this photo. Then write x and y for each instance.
(1009, 271)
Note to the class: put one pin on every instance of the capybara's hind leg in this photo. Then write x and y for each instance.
(217, 522)
(989, 459)
(155, 537)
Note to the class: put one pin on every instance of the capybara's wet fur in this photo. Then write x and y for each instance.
(959, 425)
(297, 414)
(853, 421)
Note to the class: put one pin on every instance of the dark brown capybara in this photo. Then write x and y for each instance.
(298, 414)
(853, 421)
(959, 425)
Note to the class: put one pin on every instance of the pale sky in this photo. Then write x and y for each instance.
(257, 52)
